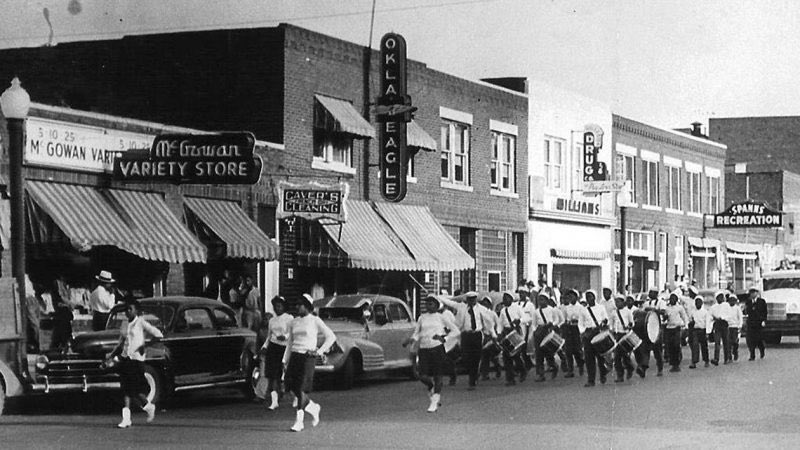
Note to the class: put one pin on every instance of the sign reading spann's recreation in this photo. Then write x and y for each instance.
(748, 215)
(215, 158)
(312, 201)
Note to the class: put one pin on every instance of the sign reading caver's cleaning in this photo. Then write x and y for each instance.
(312, 201)
(214, 158)
(71, 146)
(748, 215)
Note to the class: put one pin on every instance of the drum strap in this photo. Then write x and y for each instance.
(591, 313)
(508, 316)
(541, 313)
(621, 319)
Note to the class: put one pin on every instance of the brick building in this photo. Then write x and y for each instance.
(308, 93)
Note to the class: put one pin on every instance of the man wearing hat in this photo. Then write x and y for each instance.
(301, 355)
(734, 325)
(490, 354)
(131, 349)
(652, 303)
(102, 299)
(721, 313)
(510, 318)
(756, 308)
(471, 320)
(528, 308)
(545, 320)
(573, 353)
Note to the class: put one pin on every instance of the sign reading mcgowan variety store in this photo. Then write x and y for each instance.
(748, 215)
(217, 158)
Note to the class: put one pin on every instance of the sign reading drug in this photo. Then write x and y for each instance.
(593, 168)
(214, 158)
(748, 215)
(393, 112)
(313, 201)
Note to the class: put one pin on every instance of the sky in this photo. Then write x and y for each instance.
(667, 63)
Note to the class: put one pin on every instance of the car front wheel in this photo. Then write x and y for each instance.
(155, 384)
(251, 370)
(347, 374)
(2, 397)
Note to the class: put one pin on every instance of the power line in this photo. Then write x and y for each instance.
(253, 23)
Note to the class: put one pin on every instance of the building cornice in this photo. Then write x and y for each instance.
(669, 137)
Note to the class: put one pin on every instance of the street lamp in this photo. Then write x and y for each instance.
(15, 103)
(623, 201)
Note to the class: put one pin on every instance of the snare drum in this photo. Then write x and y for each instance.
(512, 342)
(552, 343)
(603, 343)
(629, 342)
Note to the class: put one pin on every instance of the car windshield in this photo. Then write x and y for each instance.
(157, 315)
(781, 283)
(353, 314)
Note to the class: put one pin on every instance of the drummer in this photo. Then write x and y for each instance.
(653, 303)
(489, 355)
(471, 320)
(573, 354)
(621, 323)
(591, 321)
(509, 320)
(529, 309)
(452, 346)
(545, 320)
(608, 301)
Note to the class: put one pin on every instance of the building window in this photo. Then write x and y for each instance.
(455, 153)
(554, 163)
(628, 166)
(503, 156)
(694, 192)
(412, 171)
(712, 203)
(651, 183)
(674, 181)
(333, 148)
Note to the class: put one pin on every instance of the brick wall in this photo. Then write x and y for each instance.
(765, 142)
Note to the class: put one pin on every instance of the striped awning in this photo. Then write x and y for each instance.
(703, 242)
(368, 242)
(417, 137)
(340, 116)
(740, 247)
(429, 243)
(578, 254)
(139, 223)
(240, 236)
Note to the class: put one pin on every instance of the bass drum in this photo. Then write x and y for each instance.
(653, 327)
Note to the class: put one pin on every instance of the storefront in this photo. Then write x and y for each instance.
(743, 266)
(705, 257)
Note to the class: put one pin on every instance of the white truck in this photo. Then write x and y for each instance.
(781, 290)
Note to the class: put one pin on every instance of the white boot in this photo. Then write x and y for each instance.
(150, 409)
(126, 418)
(274, 396)
(298, 421)
(313, 409)
(434, 403)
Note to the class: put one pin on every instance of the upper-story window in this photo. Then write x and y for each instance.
(673, 183)
(626, 162)
(336, 124)
(455, 152)
(504, 154)
(651, 183)
(693, 171)
(554, 163)
(333, 148)
(712, 190)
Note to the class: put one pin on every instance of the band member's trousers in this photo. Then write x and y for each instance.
(594, 360)
(622, 359)
(541, 355)
(471, 344)
(755, 339)
(513, 364)
(644, 353)
(698, 342)
(530, 347)
(672, 340)
(489, 357)
(572, 347)
(721, 340)
(733, 339)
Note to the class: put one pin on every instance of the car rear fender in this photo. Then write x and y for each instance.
(13, 386)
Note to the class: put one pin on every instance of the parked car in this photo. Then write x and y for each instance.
(202, 347)
(370, 330)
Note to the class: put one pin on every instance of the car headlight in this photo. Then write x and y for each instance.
(792, 308)
(42, 362)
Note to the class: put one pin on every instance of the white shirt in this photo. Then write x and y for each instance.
(735, 317)
(512, 312)
(675, 316)
(279, 327)
(483, 320)
(722, 311)
(303, 333)
(700, 317)
(528, 309)
(551, 316)
(585, 320)
(657, 304)
(433, 324)
(101, 300)
(134, 337)
(572, 313)
(618, 326)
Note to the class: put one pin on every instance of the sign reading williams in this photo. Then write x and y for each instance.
(215, 158)
(313, 201)
(748, 215)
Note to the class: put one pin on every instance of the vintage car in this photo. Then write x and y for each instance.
(202, 347)
(370, 330)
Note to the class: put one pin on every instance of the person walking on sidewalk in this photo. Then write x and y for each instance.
(131, 366)
(300, 358)
(698, 337)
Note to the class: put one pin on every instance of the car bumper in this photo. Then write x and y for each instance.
(46, 385)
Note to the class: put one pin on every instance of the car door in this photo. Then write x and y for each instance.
(380, 327)
(192, 345)
(402, 328)
(231, 341)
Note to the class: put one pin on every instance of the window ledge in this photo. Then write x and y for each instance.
(651, 207)
(499, 193)
(457, 187)
(695, 214)
(333, 167)
(674, 211)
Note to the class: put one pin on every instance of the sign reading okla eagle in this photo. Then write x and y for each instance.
(214, 158)
(748, 215)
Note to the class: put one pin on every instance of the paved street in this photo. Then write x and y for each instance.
(746, 404)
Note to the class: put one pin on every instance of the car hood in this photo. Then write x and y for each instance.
(782, 296)
(94, 344)
(344, 326)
